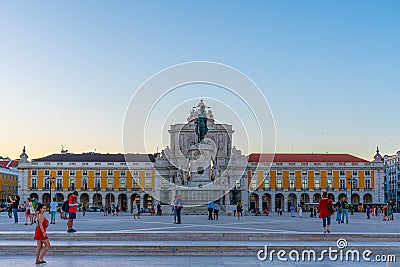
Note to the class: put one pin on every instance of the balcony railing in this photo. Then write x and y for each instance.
(110, 189)
(59, 188)
(97, 188)
(292, 188)
(267, 188)
(356, 188)
(46, 188)
(33, 188)
(304, 188)
(71, 188)
(367, 189)
(84, 188)
(279, 188)
(122, 189)
(317, 188)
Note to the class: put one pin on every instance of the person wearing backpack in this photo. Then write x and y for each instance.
(72, 211)
(64, 210)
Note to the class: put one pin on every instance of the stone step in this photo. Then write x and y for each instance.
(204, 236)
(181, 248)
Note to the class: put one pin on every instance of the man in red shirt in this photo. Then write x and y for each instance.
(72, 211)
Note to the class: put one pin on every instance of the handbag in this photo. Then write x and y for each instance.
(31, 210)
(330, 208)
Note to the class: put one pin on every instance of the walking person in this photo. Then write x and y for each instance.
(234, 210)
(42, 240)
(345, 210)
(135, 209)
(72, 211)
(29, 212)
(292, 211)
(325, 208)
(159, 210)
(300, 210)
(239, 209)
(338, 212)
(53, 211)
(368, 211)
(179, 207)
(216, 210)
(174, 208)
(210, 207)
(15, 204)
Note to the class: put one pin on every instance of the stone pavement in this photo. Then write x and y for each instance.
(170, 261)
(156, 241)
(95, 221)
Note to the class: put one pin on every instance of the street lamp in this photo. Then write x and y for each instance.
(350, 180)
(304, 192)
(51, 181)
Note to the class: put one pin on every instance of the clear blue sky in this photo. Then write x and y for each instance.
(330, 70)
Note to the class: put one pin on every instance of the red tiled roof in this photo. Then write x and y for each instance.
(97, 157)
(256, 157)
(4, 163)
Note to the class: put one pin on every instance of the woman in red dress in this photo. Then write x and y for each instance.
(40, 235)
(324, 212)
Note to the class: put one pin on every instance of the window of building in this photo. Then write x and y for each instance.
(253, 185)
(110, 163)
(342, 184)
(59, 184)
(135, 173)
(329, 183)
(59, 163)
(110, 173)
(291, 184)
(59, 173)
(355, 183)
(367, 184)
(46, 184)
(304, 173)
(279, 184)
(148, 183)
(97, 163)
(46, 172)
(304, 184)
(122, 183)
(148, 173)
(367, 173)
(266, 184)
(72, 172)
(329, 173)
(97, 183)
(317, 183)
(97, 172)
(123, 173)
(84, 172)
(317, 173)
(110, 183)
(84, 183)
(85, 163)
(238, 183)
(342, 173)
(292, 164)
(34, 172)
(355, 173)
(135, 182)
(71, 185)
(304, 164)
(291, 173)
(278, 172)
(164, 184)
(72, 163)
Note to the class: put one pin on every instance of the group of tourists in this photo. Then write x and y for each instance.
(213, 208)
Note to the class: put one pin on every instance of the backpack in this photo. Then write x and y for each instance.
(65, 206)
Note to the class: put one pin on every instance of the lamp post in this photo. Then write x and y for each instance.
(304, 193)
(51, 181)
(350, 180)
